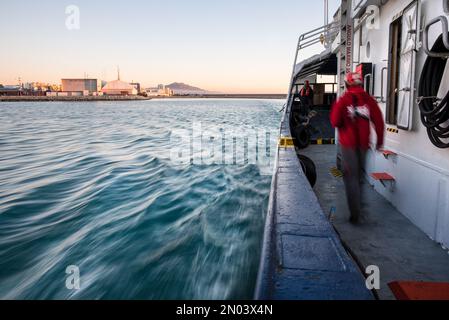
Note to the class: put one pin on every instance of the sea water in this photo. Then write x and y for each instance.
(101, 200)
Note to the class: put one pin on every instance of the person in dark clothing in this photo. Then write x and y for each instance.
(353, 115)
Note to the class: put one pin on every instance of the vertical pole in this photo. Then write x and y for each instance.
(326, 20)
(293, 77)
(326, 12)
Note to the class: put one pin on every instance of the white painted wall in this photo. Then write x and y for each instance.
(421, 170)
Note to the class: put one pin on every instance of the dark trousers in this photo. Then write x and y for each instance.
(353, 164)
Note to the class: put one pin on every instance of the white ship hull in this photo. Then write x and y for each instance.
(421, 170)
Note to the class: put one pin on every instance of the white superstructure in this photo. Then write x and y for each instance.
(390, 35)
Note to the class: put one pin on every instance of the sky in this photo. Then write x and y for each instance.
(229, 46)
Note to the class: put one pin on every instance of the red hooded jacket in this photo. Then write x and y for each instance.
(353, 129)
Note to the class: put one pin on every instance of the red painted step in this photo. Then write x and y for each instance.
(409, 290)
(382, 176)
(388, 153)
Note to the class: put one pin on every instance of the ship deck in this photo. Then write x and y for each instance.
(385, 237)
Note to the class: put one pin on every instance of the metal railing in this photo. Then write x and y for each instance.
(382, 84)
(445, 28)
(362, 20)
(369, 88)
(325, 35)
(358, 6)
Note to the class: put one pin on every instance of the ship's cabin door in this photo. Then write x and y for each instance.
(402, 64)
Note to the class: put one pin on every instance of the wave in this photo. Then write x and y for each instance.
(92, 185)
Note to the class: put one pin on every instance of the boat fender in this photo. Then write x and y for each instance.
(309, 169)
(302, 137)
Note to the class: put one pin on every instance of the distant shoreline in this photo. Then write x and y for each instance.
(70, 99)
(228, 96)
(135, 98)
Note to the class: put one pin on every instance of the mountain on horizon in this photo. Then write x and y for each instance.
(182, 88)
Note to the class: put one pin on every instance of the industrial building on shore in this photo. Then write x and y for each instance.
(83, 87)
(119, 88)
(159, 91)
(95, 87)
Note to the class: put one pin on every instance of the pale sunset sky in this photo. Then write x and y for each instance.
(232, 46)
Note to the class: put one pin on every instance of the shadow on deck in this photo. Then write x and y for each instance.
(385, 237)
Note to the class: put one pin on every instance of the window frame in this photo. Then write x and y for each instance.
(395, 54)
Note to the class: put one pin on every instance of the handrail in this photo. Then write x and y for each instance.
(292, 77)
(357, 6)
(316, 34)
(445, 27)
(314, 41)
(382, 82)
(370, 89)
(324, 34)
(362, 20)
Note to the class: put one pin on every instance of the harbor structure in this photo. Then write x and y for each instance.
(137, 86)
(119, 88)
(11, 90)
(28, 89)
(84, 86)
(159, 91)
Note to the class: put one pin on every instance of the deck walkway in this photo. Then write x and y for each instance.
(385, 237)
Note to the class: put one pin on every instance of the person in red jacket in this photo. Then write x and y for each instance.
(307, 94)
(353, 115)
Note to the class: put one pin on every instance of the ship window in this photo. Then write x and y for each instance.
(395, 38)
(402, 60)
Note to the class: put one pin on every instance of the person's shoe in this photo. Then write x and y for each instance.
(363, 219)
(354, 220)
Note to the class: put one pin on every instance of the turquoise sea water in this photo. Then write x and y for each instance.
(94, 185)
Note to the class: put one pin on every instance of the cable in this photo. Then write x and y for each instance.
(434, 113)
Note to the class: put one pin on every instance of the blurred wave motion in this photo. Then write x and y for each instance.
(92, 185)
